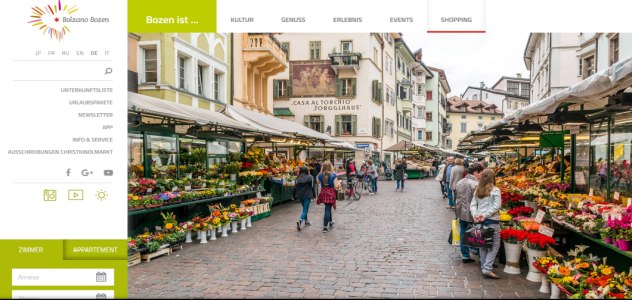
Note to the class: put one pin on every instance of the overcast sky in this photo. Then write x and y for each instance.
(469, 59)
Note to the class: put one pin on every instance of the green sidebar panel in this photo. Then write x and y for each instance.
(94, 269)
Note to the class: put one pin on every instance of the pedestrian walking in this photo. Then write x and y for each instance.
(372, 169)
(447, 172)
(327, 179)
(484, 208)
(316, 166)
(400, 170)
(439, 177)
(303, 191)
(463, 197)
(457, 172)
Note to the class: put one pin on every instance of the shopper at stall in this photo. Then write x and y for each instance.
(400, 170)
(457, 173)
(463, 197)
(447, 171)
(372, 169)
(439, 177)
(484, 208)
(303, 191)
(327, 196)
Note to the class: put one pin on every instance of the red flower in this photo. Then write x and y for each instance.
(540, 240)
(514, 234)
(520, 211)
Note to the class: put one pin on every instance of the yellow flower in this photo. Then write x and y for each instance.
(606, 271)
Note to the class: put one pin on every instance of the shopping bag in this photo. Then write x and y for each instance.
(455, 233)
(478, 236)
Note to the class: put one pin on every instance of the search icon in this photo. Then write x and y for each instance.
(108, 71)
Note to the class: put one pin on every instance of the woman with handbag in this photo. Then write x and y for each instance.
(328, 181)
(484, 208)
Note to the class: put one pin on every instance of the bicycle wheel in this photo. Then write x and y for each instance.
(357, 194)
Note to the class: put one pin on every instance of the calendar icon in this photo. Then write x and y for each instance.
(102, 277)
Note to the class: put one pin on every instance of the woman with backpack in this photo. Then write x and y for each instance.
(303, 191)
(327, 196)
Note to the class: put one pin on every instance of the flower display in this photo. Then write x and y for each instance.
(521, 211)
(511, 235)
(512, 200)
(538, 241)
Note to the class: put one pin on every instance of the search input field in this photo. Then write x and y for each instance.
(60, 70)
(62, 277)
(61, 294)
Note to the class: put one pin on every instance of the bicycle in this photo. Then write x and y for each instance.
(351, 191)
(366, 183)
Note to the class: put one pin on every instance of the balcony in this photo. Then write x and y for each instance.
(262, 49)
(406, 105)
(345, 61)
(419, 100)
(418, 123)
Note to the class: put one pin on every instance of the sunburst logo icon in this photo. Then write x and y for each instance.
(49, 19)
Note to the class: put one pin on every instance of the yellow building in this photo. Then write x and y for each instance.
(465, 116)
(187, 68)
(256, 58)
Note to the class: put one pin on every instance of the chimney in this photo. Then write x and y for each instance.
(519, 75)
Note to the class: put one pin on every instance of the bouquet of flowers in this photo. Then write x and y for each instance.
(521, 211)
(169, 221)
(512, 200)
(546, 262)
(537, 241)
(514, 236)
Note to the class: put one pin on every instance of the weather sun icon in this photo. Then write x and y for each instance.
(101, 195)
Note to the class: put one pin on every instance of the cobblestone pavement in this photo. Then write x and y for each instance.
(389, 245)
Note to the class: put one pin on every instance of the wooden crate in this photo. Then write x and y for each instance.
(133, 260)
(148, 257)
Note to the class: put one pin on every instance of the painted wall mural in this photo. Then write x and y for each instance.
(311, 80)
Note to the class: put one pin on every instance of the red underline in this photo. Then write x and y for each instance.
(456, 31)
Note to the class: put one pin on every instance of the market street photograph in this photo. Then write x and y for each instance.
(379, 165)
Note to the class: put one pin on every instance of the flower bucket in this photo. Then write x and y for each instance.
(249, 221)
(512, 254)
(608, 240)
(213, 234)
(188, 237)
(555, 291)
(234, 227)
(545, 287)
(202, 235)
(225, 230)
(534, 274)
(242, 226)
(615, 242)
(233, 177)
(624, 245)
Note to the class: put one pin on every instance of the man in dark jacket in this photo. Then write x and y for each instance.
(303, 191)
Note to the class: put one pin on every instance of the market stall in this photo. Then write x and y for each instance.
(570, 179)
(417, 156)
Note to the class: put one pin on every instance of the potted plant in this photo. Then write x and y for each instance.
(232, 169)
(512, 239)
(537, 244)
(606, 234)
